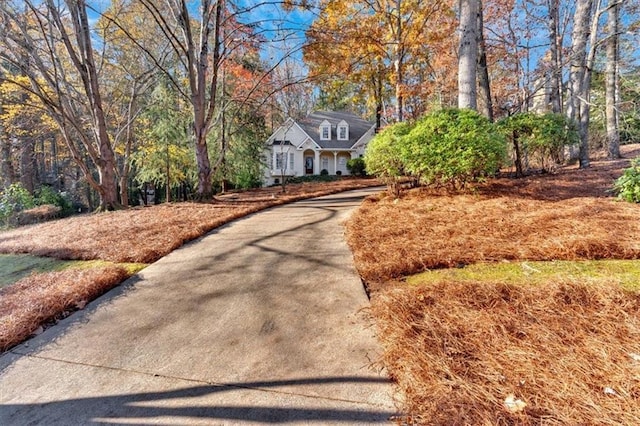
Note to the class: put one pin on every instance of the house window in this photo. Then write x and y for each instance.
(343, 131)
(280, 160)
(342, 163)
(325, 131)
(291, 164)
(325, 163)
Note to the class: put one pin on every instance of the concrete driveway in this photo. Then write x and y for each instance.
(260, 321)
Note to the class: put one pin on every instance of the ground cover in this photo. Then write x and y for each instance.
(14, 267)
(498, 338)
(625, 273)
(121, 242)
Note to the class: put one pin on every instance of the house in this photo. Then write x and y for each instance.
(321, 141)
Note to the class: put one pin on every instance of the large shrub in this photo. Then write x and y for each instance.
(538, 138)
(453, 147)
(46, 195)
(383, 157)
(357, 167)
(628, 185)
(13, 199)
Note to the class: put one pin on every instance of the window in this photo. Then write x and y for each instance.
(325, 131)
(291, 164)
(280, 160)
(343, 131)
(325, 163)
(342, 163)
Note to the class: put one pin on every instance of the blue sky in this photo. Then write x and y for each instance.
(283, 30)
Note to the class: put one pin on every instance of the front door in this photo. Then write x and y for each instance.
(308, 165)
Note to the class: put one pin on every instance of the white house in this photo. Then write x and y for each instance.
(321, 141)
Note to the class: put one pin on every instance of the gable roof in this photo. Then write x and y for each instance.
(357, 128)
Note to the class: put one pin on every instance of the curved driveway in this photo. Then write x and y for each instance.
(258, 322)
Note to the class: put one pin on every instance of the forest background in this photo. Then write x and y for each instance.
(100, 101)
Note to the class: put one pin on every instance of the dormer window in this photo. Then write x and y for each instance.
(343, 131)
(325, 131)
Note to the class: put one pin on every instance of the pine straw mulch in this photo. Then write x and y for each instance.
(500, 354)
(144, 235)
(32, 303)
(557, 354)
(570, 215)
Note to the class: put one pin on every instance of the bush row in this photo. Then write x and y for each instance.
(15, 199)
(457, 146)
(628, 185)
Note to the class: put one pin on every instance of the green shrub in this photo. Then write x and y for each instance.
(541, 138)
(357, 167)
(14, 199)
(452, 147)
(324, 172)
(627, 186)
(312, 178)
(49, 196)
(383, 157)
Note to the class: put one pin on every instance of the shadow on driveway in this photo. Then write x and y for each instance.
(141, 408)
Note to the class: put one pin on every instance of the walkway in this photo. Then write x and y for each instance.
(258, 322)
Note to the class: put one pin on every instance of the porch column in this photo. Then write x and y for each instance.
(335, 163)
(316, 163)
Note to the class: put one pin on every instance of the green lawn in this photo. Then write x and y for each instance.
(14, 267)
(624, 272)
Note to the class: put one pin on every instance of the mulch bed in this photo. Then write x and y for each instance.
(469, 353)
(31, 304)
(557, 354)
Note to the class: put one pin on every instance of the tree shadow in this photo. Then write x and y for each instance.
(208, 404)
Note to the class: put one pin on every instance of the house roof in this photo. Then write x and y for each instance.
(357, 128)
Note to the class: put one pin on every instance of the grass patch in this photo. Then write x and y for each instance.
(625, 273)
(14, 267)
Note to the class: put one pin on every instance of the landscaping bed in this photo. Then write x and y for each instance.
(494, 347)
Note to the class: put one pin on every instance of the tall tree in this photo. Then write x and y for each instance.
(468, 54)
(555, 51)
(199, 44)
(579, 75)
(381, 46)
(612, 80)
(484, 83)
(52, 44)
(129, 75)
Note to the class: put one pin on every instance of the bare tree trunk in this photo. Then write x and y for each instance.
(27, 162)
(7, 172)
(106, 163)
(554, 50)
(468, 54)
(484, 84)
(611, 81)
(579, 76)
(399, 62)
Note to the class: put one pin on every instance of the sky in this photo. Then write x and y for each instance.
(282, 29)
